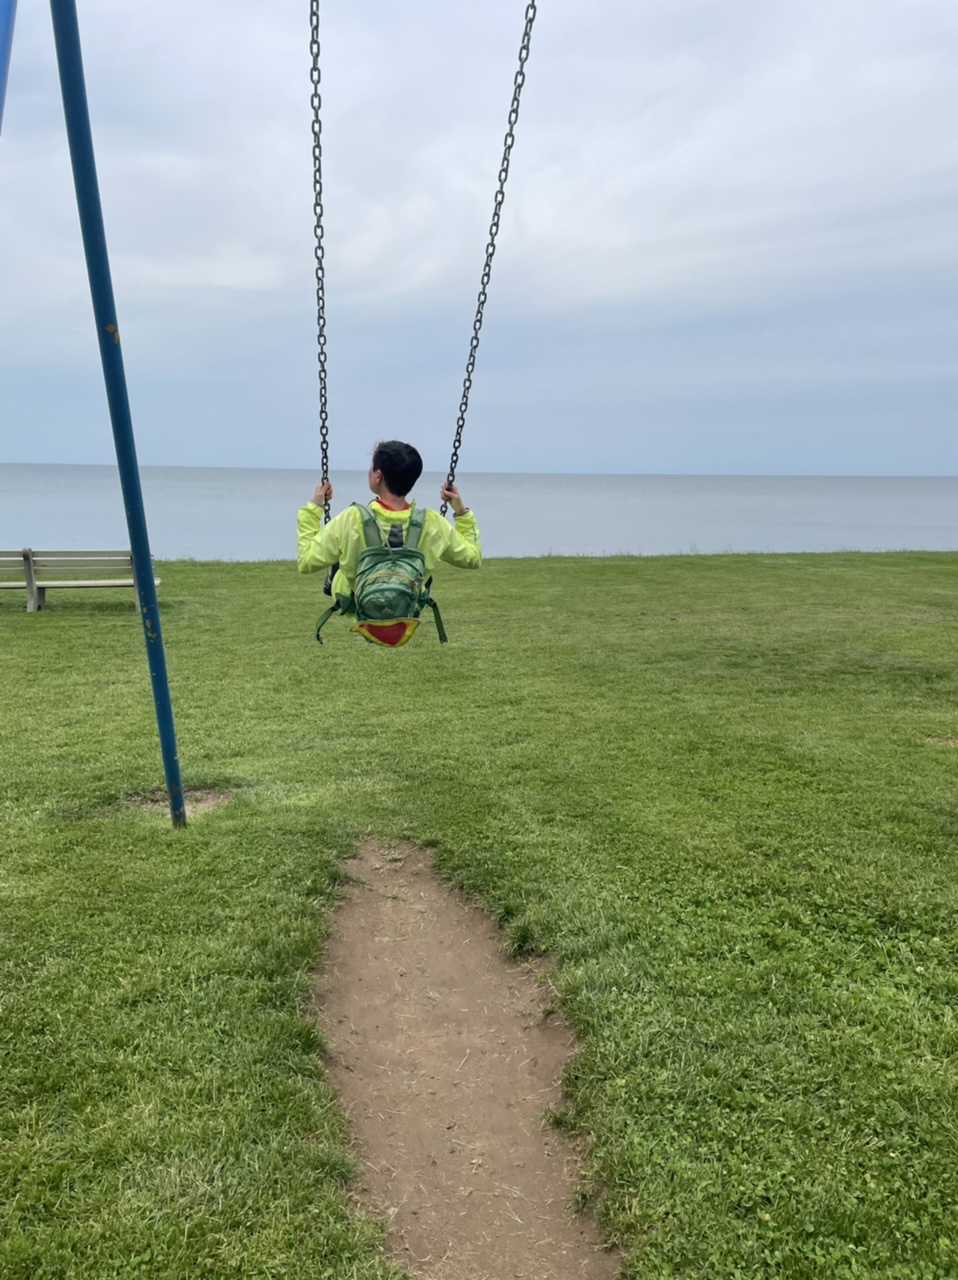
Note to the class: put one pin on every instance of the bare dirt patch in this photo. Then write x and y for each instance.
(942, 742)
(197, 800)
(445, 1056)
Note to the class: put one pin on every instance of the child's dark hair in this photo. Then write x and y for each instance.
(400, 464)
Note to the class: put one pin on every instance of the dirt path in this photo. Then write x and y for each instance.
(442, 1055)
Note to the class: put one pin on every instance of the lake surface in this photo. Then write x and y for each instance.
(247, 514)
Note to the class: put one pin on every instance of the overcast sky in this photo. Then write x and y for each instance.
(729, 244)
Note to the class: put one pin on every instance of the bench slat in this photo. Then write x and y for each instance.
(56, 558)
(77, 566)
(92, 582)
(83, 582)
(70, 555)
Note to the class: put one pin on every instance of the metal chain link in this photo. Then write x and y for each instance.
(510, 139)
(317, 102)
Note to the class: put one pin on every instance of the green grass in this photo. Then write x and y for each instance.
(721, 791)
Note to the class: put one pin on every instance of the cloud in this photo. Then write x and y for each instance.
(718, 214)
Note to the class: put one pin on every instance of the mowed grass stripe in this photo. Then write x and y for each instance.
(719, 790)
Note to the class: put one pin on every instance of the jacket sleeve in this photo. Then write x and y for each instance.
(319, 546)
(464, 548)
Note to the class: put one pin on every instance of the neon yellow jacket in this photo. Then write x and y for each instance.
(341, 541)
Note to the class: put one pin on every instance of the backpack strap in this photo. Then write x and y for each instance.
(342, 605)
(437, 616)
(372, 534)
(417, 522)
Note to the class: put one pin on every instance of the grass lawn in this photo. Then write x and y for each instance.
(721, 791)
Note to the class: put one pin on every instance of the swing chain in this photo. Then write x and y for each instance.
(317, 102)
(510, 138)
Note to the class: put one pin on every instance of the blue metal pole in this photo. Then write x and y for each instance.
(66, 33)
(8, 11)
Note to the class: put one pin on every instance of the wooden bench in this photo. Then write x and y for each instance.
(38, 571)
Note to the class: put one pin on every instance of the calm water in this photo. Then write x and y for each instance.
(234, 514)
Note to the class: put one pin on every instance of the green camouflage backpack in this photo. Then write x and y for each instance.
(390, 593)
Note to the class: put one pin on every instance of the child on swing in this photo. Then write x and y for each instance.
(394, 471)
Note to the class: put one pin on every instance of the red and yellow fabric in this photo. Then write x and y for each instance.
(392, 634)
